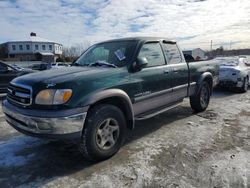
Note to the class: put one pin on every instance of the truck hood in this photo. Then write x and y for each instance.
(62, 75)
(82, 80)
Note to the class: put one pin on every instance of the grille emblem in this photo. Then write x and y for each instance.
(50, 85)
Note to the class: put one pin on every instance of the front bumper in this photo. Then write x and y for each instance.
(63, 124)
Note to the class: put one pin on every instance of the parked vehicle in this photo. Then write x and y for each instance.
(22, 68)
(110, 86)
(234, 73)
(40, 66)
(59, 65)
(7, 73)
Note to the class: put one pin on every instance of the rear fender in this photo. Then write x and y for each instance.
(206, 76)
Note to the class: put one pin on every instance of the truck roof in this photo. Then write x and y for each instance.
(141, 39)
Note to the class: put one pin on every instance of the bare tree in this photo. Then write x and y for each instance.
(73, 52)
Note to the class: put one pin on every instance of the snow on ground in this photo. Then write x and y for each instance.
(175, 149)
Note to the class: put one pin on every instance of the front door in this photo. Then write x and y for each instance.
(154, 82)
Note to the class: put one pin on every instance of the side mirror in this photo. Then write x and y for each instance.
(140, 63)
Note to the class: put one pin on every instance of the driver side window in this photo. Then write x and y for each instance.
(153, 53)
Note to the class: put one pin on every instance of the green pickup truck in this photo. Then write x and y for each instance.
(112, 84)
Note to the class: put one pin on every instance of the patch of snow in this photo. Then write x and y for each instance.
(227, 169)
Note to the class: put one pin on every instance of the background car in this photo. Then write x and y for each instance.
(234, 72)
(7, 73)
(59, 65)
(40, 66)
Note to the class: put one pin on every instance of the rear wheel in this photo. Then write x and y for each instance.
(244, 87)
(200, 101)
(103, 133)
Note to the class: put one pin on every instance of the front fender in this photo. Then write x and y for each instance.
(107, 94)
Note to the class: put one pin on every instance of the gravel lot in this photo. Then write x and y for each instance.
(175, 149)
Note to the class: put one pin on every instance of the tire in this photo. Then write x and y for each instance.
(244, 88)
(104, 132)
(200, 101)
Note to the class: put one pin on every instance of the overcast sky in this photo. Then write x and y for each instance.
(192, 23)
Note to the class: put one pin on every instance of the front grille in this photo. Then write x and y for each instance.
(19, 94)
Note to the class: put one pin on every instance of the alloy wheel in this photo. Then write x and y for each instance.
(107, 134)
(204, 96)
(246, 84)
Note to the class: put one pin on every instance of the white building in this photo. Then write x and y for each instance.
(197, 53)
(33, 48)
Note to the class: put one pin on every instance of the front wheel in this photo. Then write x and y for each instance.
(200, 101)
(103, 133)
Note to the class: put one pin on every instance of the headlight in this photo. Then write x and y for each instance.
(53, 96)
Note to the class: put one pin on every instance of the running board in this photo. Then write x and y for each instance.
(147, 116)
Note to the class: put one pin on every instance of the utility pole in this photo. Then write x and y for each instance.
(211, 48)
(230, 45)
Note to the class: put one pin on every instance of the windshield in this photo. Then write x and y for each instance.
(117, 53)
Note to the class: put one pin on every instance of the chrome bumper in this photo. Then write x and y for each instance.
(36, 126)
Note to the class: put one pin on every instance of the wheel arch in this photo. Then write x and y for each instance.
(116, 97)
(208, 77)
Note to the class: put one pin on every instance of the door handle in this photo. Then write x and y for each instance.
(166, 71)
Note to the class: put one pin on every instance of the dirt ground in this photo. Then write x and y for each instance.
(175, 149)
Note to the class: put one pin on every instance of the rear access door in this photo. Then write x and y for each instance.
(180, 71)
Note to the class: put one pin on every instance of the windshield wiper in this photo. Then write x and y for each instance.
(100, 63)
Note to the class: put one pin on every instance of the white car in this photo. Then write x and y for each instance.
(234, 73)
(59, 65)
